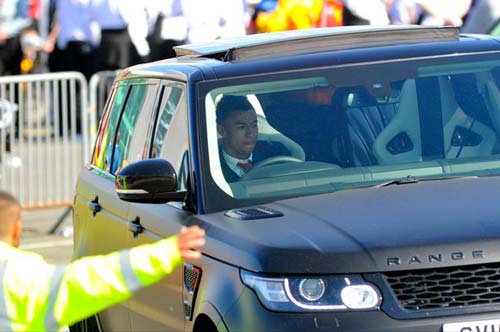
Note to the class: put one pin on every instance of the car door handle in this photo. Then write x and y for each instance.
(94, 206)
(135, 227)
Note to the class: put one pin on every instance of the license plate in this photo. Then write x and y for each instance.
(492, 325)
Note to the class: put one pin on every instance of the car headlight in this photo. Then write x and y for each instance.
(325, 293)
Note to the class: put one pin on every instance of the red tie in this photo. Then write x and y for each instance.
(245, 166)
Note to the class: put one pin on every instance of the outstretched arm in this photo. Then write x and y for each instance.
(95, 283)
(42, 296)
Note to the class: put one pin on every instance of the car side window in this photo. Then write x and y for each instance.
(170, 140)
(171, 98)
(107, 129)
(130, 144)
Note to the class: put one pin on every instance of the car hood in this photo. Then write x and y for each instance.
(408, 226)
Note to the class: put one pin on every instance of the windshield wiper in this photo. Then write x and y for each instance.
(411, 179)
(406, 180)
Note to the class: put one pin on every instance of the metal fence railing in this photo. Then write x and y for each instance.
(100, 85)
(46, 131)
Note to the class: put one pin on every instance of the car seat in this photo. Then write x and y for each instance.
(270, 134)
(313, 127)
(463, 136)
(490, 94)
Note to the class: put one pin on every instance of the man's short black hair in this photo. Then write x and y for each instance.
(228, 104)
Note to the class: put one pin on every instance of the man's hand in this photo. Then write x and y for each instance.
(189, 240)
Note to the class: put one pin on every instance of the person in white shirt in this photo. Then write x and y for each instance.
(365, 12)
(124, 31)
(167, 27)
(210, 20)
(482, 17)
(429, 12)
(14, 19)
(75, 40)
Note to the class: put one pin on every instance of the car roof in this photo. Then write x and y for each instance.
(259, 46)
(298, 49)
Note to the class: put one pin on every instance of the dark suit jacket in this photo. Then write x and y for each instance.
(263, 150)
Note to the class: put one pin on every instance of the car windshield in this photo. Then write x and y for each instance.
(321, 130)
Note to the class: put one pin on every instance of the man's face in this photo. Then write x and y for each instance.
(239, 133)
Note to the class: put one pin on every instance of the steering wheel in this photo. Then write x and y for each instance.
(255, 171)
(276, 160)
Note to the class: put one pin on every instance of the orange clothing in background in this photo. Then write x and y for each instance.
(332, 14)
(290, 15)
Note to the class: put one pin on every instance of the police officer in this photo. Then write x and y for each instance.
(37, 296)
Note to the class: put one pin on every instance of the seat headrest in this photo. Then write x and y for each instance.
(359, 96)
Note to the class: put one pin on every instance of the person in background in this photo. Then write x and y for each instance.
(37, 296)
(433, 12)
(444, 12)
(73, 38)
(34, 9)
(290, 15)
(482, 17)
(264, 6)
(168, 28)
(211, 20)
(14, 19)
(365, 12)
(124, 31)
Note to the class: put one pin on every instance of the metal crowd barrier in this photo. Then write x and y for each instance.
(100, 85)
(46, 133)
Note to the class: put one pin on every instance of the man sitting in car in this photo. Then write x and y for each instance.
(240, 149)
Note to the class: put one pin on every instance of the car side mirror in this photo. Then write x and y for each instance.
(148, 181)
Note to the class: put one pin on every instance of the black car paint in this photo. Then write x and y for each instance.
(335, 233)
(360, 230)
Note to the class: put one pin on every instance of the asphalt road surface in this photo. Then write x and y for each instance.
(56, 248)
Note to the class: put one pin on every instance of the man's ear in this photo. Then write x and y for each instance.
(221, 130)
(17, 230)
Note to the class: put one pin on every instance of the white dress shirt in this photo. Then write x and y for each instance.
(210, 20)
(373, 11)
(232, 162)
(122, 14)
(73, 17)
(12, 22)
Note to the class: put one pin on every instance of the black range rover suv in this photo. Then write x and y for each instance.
(378, 211)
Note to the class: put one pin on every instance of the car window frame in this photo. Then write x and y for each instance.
(105, 118)
(151, 83)
(215, 199)
(127, 83)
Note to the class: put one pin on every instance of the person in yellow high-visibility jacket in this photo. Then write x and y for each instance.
(37, 296)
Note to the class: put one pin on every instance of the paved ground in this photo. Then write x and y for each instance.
(42, 172)
(56, 248)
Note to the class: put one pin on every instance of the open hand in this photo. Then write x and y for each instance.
(189, 240)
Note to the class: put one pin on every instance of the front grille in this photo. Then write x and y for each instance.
(446, 288)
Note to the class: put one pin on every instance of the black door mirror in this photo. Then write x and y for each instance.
(148, 181)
